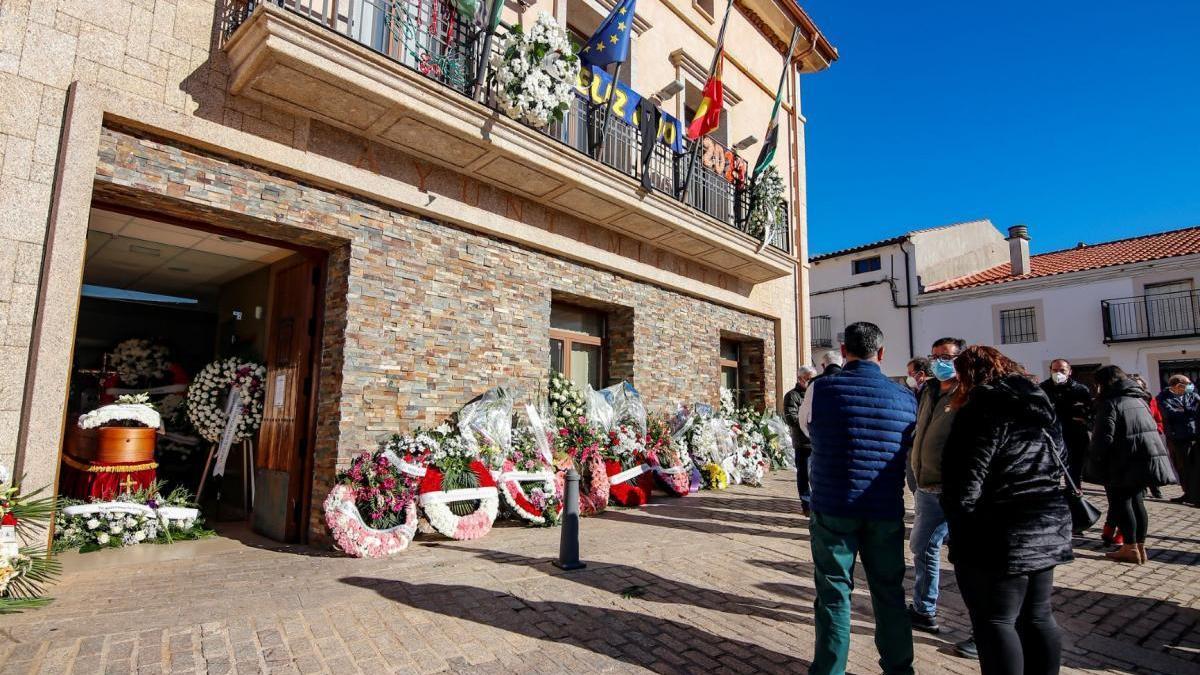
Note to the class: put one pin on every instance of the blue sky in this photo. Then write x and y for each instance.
(1081, 120)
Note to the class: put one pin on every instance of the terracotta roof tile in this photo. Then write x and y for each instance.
(1085, 257)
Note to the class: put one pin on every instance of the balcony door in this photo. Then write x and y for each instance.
(1171, 309)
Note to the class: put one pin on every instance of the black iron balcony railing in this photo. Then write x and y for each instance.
(430, 37)
(821, 331)
(1159, 316)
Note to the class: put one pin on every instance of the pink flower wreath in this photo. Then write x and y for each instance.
(355, 537)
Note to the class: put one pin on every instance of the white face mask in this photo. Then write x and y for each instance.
(1058, 378)
(911, 381)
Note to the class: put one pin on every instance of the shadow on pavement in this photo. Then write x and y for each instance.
(659, 645)
(650, 517)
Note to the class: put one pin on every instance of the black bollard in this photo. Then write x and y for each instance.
(568, 543)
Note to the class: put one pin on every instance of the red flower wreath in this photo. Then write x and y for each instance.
(444, 520)
(629, 490)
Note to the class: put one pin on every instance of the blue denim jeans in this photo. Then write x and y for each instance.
(925, 542)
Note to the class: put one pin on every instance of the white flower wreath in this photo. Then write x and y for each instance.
(535, 73)
(767, 198)
(139, 362)
(208, 393)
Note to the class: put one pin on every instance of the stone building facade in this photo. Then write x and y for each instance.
(439, 275)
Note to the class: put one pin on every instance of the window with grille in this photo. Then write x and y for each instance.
(1018, 325)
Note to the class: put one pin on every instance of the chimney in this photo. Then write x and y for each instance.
(1018, 249)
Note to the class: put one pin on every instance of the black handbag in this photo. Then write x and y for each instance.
(1083, 513)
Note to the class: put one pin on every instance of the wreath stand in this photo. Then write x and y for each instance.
(247, 474)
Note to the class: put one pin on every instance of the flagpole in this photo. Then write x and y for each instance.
(696, 144)
(482, 64)
(787, 62)
(608, 101)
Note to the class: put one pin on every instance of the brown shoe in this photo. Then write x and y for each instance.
(1141, 548)
(1127, 553)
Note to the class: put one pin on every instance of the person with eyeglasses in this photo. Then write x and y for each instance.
(935, 417)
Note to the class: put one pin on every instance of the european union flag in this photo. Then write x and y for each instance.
(610, 42)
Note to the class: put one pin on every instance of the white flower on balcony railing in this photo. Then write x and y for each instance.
(535, 73)
(766, 212)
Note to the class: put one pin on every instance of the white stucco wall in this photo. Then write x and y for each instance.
(1070, 320)
(837, 293)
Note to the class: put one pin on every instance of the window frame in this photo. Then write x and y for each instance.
(731, 363)
(1029, 321)
(878, 260)
(570, 337)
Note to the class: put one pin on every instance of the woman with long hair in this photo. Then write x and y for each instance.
(1127, 456)
(1007, 512)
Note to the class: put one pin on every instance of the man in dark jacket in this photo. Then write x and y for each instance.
(859, 422)
(1073, 406)
(1180, 408)
(800, 443)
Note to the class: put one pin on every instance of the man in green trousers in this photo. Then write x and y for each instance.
(860, 423)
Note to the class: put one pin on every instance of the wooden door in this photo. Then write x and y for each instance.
(284, 462)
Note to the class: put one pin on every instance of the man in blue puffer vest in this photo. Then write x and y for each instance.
(860, 423)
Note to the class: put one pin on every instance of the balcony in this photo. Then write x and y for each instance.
(820, 332)
(400, 72)
(1161, 316)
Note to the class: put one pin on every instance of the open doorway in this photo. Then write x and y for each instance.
(161, 304)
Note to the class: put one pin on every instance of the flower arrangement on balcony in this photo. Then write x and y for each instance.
(766, 207)
(535, 73)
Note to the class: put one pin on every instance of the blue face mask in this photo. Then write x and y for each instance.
(1189, 388)
(943, 370)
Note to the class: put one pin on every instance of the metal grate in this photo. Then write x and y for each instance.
(1018, 325)
(430, 37)
(821, 331)
(1154, 316)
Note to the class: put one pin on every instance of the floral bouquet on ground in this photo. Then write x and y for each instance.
(669, 455)
(24, 571)
(629, 474)
(707, 452)
(372, 510)
(580, 442)
(566, 401)
(458, 493)
(780, 452)
(528, 482)
(750, 462)
(141, 516)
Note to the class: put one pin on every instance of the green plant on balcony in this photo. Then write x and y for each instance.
(535, 73)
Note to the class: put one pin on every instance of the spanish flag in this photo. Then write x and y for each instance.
(708, 113)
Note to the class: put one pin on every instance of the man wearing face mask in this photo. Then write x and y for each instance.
(1073, 405)
(1180, 408)
(935, 416)
(919, 372)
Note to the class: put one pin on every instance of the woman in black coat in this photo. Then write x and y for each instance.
(1127, 456)
(1008, 516)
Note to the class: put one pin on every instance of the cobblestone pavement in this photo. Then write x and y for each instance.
(713, 582)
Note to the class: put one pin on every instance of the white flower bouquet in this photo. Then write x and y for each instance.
(535, 73)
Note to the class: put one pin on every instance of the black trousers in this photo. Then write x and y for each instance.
(1128, 506)
(1013, 620)
(803, 452)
